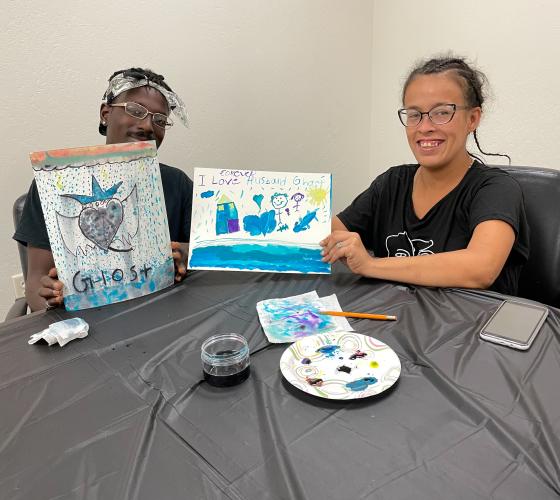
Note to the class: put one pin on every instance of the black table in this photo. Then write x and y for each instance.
(124, 413)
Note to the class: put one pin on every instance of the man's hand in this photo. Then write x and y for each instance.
(180, 253)
(52, 289)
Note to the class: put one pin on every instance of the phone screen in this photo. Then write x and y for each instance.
(516, 321)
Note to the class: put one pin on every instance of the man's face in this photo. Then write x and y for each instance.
(122, 127)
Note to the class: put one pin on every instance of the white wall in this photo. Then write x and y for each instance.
(273, 85)
(515, 42)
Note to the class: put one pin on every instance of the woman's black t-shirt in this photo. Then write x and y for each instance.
(384, 217)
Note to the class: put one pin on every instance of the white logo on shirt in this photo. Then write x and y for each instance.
(400, 245)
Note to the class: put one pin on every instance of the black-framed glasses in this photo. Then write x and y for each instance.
(138, 111)
(438, 115)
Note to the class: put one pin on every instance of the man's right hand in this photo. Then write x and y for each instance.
(52, 289)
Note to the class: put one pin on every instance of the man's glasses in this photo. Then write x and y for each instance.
(138, 111)
(439, 115)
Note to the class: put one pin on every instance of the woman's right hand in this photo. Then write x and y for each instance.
(52, 289)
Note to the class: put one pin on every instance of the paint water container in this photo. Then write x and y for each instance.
(225, 359)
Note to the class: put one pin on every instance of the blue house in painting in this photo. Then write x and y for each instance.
(227, 220)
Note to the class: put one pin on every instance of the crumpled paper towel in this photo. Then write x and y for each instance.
(62, 332)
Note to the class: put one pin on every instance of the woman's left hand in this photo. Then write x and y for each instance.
(348, 247)
(180, 253)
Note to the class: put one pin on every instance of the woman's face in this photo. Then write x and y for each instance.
(438, 146)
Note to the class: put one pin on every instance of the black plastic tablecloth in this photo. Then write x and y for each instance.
(125, 414)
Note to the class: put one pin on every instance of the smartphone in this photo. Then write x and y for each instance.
(514, 324)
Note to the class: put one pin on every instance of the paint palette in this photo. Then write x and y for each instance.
(340, 365)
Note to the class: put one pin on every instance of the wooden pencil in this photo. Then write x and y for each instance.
(382, 317)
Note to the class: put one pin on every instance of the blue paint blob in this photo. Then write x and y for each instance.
(305, 361)
(207, 194)
(303, 223)
(361, 384)
(258, 198)
(328, 350)
(266, 257)
(260, 224)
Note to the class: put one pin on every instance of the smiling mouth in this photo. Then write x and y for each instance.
(428, 145)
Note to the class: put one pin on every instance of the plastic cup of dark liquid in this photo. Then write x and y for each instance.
(225, 359)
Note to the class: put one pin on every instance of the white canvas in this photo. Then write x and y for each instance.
(247, 220)
(105, 215)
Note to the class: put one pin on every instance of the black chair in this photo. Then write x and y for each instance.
(540, 278)
(19, 307)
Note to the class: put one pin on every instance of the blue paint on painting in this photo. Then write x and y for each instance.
(361, 384)
(207, 194)
(303, 323)
(306, 319)
(303, 223)
(159, 277)
(254, 257)
(227, 219)
(258, 198)
(289, 320)
(328, 350)
(260, 224)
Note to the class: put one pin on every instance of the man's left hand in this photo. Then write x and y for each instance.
(180, 253)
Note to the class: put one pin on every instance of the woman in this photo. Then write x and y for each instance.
(449, 220)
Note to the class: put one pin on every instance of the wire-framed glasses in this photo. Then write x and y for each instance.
(438, 115)
(138, 111)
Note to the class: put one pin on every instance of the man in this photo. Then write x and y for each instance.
(135, 107)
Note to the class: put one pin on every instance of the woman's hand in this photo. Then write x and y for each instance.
(180, 253)
(51, 289)
(346, 246)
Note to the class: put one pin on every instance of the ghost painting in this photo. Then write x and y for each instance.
(105, 215)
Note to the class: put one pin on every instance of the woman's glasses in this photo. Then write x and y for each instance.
(138, 111)
(438, 115)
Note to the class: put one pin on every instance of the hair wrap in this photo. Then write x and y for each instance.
(121, 83)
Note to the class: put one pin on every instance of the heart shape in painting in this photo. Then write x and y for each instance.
(100, 224)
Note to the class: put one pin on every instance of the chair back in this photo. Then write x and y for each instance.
(540, 277)
(16, 213)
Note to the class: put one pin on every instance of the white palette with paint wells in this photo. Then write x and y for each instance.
(340, 365)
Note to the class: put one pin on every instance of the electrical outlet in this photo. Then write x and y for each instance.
(19, 285)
